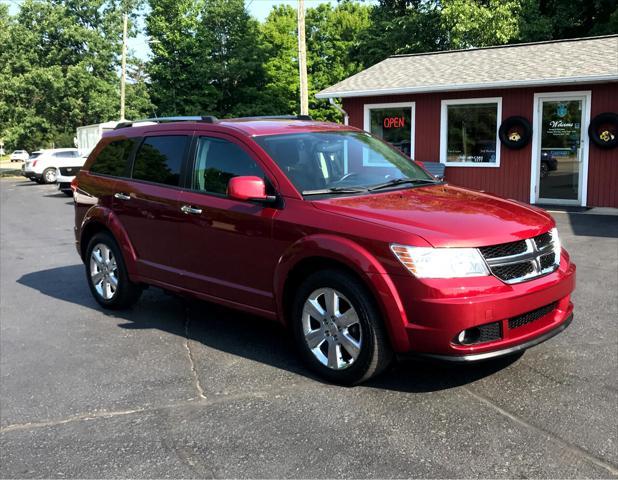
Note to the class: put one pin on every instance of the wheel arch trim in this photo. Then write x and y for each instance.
(104, 218)
(361, 262)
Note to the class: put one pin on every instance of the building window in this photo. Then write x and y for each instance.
(393, 123)
(469, 132)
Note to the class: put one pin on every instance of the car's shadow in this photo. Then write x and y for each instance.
(244, 335)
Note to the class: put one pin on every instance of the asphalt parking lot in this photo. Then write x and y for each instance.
(177, 388)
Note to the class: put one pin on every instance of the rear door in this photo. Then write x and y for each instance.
(226, 244)
(148, 207)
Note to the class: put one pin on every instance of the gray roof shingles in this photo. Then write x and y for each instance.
(532, 64)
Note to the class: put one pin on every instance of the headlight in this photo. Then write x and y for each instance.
(427, 262)
(557, 245)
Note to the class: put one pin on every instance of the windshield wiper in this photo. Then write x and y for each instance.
(335, 190)
(400, 181)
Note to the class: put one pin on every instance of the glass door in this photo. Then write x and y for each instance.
(561, 150)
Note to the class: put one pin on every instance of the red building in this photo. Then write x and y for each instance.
(535, 122)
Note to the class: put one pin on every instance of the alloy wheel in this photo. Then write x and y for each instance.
(332, 328)
(50, 176)
(104, 271)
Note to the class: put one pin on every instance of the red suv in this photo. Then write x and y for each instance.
(322, 227)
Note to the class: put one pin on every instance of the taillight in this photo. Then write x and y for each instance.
(34, 163)
(74, 184)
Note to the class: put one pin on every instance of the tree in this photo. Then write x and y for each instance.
(332, 34)
(176, 87)
(231, 57)
(414, 26)
(280, 46)
(59, 70)
(332, 43)
(556, 19)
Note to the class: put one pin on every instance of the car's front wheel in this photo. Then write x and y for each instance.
(49, 175)
(107, 274)
(338, 329)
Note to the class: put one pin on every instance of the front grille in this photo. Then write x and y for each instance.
(522, 260)
(69, 171)
(542, 241)
(530, 317)
(513, 270)
(504, 249)
(547, 261)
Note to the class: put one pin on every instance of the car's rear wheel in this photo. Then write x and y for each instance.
(107, 274)
(338, 329)
(49, 175)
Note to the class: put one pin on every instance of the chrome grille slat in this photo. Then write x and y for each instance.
(530, 262)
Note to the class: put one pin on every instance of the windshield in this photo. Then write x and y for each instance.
(340, 162)
(34, 155)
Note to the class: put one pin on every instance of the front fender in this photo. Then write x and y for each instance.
(363, 263)
(104, 216)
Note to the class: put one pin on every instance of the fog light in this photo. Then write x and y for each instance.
(469, 336)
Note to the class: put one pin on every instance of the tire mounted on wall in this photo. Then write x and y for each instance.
(603, 130)
(515, 132)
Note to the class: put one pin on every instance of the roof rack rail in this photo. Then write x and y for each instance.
(277, 117)
(196, 118)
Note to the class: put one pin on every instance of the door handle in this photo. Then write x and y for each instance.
(188, 209)
(122, 196)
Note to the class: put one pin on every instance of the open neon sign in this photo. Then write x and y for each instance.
(393, 122)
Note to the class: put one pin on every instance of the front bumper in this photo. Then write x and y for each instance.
(479, 357)
(438, 310)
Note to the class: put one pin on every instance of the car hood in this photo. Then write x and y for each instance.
(444, 215)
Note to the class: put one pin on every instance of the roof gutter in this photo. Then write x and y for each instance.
(470, 86)
(346, 117)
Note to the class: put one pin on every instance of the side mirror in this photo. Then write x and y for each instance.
(252, 189)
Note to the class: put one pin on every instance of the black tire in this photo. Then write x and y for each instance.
(45, 173)
(375, 350)
(68, 193)
(603, 130)
(127, 292)
(518, 126)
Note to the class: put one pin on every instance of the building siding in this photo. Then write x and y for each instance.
(512, 178)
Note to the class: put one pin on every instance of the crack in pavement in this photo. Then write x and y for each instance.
(79, 418)
(196, 378)
(104, 414)
(579, 451)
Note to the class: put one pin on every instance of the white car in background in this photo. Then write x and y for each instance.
(66, 173)
(43, 164)
(19, 156)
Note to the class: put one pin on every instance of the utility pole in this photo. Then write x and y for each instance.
(302, 59)
(123, 74)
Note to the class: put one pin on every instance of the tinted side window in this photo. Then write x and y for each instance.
(113, 158)
(69, 154)
(219, 160)
(159, 159)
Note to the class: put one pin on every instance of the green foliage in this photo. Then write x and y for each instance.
(59, 70)
(332, 41)
(206, 58)
(556, 19)
(413, 26)
(280, 48)
(59, 59)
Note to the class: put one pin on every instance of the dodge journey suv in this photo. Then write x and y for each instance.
(353, 246)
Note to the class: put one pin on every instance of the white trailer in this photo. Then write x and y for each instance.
(89, 135)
